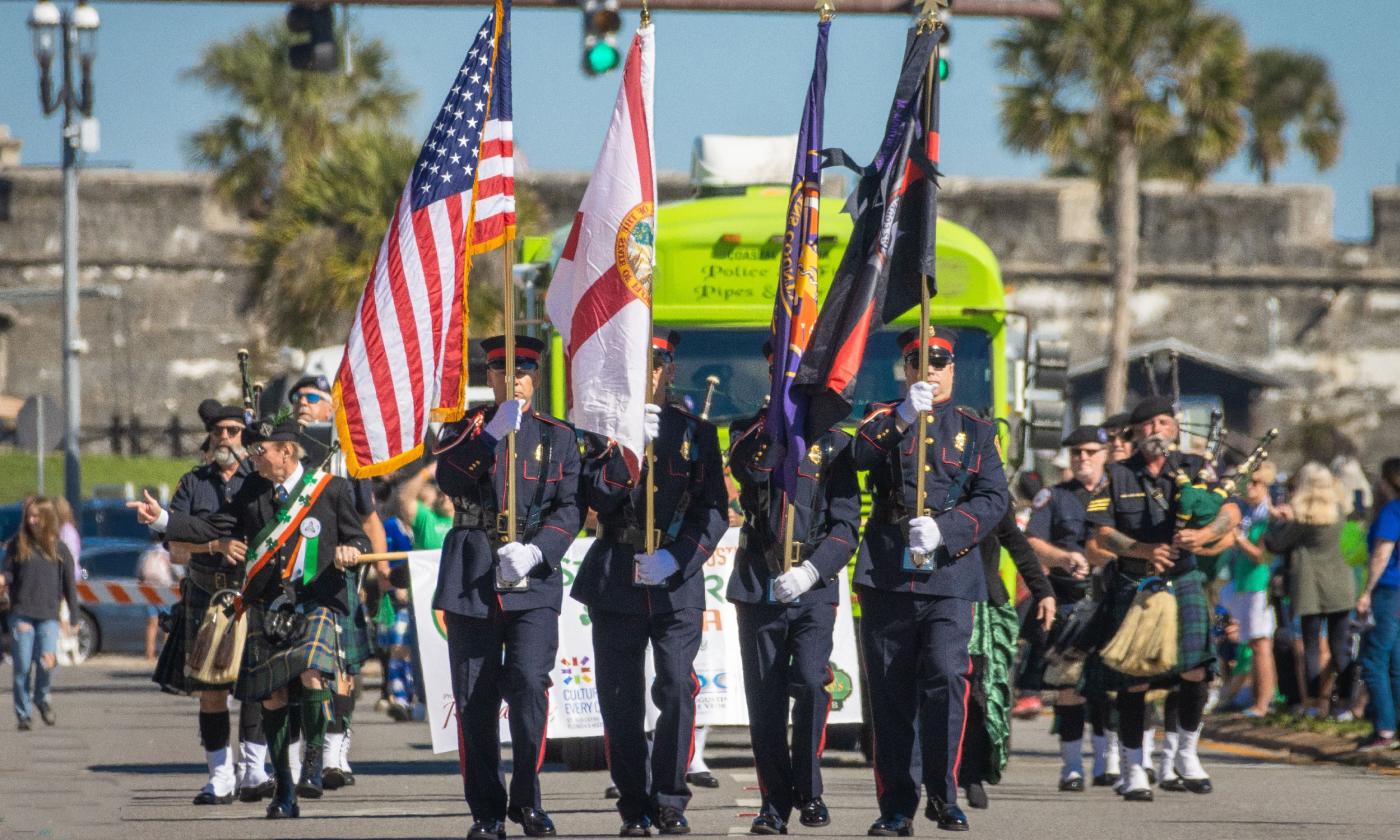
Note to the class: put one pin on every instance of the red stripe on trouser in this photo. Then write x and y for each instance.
(830, 677)
(544, 736)
(967, 691)
(690, 754)
(461, 747)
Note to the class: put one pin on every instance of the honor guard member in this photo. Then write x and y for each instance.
(1133, 515)
(634, 597)
(313, 405)
(298, 531)
(917, 617)
(1059, 531)
(202, 492)
(501, 597)
(787, 615)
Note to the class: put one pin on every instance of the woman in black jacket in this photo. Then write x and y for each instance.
(37, 576)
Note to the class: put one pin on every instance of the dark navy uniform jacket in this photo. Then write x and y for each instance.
(961, 447)
(826, 511)
(336, 523)
(1059, 516)
(471, 471)
(691, 510)
(1141, 505)
(202, 492)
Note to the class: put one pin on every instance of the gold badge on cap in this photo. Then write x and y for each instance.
(814, 454)
(960, 441)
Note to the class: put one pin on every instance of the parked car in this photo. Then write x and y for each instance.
(112, 628)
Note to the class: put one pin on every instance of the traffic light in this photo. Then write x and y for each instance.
(945, 34)
(318, 53)
(600, 24)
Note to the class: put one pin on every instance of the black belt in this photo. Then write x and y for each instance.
(478, 518)
(212, 581)
(633, 535)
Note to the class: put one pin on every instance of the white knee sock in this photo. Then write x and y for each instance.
(344, 759)
(1072, 759)
(1134, 773)
(1166, 769)
(1113, 754)
(330, 756)
(221, 778)
(1188, 764)
(697, 761)
(1100, 743)
(294, 757)
(254, 764)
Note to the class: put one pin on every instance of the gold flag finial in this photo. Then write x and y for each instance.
(646, 14)
(826, 10)
(928, 14)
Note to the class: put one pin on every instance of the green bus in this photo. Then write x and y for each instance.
(716, 276)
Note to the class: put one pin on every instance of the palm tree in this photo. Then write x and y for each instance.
(1111, 83)
(1291, 89)
(281, 117)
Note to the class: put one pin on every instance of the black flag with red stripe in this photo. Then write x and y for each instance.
(891, 246)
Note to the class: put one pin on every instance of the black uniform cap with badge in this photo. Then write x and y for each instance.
(528, 351)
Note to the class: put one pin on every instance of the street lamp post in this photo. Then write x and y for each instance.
(76, 28)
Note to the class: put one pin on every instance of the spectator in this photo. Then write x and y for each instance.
(1308, 528)
(1247, 597)
(154, 569)
(425, 509)
(68, 533)
(38, 575)
(1380, 599)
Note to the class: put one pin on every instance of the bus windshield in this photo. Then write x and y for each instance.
(735, 357)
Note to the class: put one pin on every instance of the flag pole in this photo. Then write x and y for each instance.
(508, 315)
(649, 455)
(927, 21)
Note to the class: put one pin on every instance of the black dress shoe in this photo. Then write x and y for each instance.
(1138, 795)
(1105, 779)
(1074, 784)
(348, 777)
(205, 797)
(612, 793)
(896, 825)
(814, 813)
(1197, 785)
(333, 778)
(487, 830)
(284, 802)
(704, 779)
(948, 816)
(282, 810)
(671, 821)
(257, 793)
(976, 796)
(534, 821)
(635, 828)
(767, 824)
(47, 713)
(1175, 784)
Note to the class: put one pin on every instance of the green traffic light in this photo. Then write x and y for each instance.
(602, 57)
(943, 69)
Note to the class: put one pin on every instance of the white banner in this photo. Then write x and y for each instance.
(573, 698)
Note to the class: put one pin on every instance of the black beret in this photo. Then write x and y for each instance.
(317, 381)
(1086, 434)
(1117, 421)
(1151, 407)
(212, 411)
(273, 429)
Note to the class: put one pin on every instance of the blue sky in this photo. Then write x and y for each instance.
(741, 74)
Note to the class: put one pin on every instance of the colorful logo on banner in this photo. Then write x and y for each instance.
(575, 670)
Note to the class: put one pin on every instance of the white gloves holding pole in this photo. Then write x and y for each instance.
(920, 399)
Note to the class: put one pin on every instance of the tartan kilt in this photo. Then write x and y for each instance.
(356, 645)
(1194, 647)
(266, 668)
(170, 666)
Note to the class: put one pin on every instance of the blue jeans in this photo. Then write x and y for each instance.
(30, 640)
(1380, 658)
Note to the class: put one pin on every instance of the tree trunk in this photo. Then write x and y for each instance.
(1125, 268)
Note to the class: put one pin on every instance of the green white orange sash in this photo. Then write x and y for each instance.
(287, 523)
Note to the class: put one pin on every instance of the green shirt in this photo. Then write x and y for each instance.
(430, 528)
(1247, 575)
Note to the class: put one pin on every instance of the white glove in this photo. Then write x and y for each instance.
(517, 560)
(505, 420)
(924, 536)
(788, 586)
(651, 423)
(920, 398)
(655, 568)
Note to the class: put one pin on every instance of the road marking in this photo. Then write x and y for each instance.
(749, 803)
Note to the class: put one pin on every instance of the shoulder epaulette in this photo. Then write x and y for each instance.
(877, 409)
(554, 421)
(972, 414)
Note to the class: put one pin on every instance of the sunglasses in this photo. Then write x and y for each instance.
(226, 431)
(308, 397)
(661, 357)
(937, 361)
(257, 449)
(521, 365)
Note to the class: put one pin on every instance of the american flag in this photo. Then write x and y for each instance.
(405, 360)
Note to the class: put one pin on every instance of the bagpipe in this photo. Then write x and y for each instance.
(1200, 497)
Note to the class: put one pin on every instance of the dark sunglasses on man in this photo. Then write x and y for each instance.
(660, 358)
(521, 365)
(937, 359)
(308, 397)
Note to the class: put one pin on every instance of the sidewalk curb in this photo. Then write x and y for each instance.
(1299, 746)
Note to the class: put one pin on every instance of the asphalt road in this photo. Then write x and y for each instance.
(124, 761)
